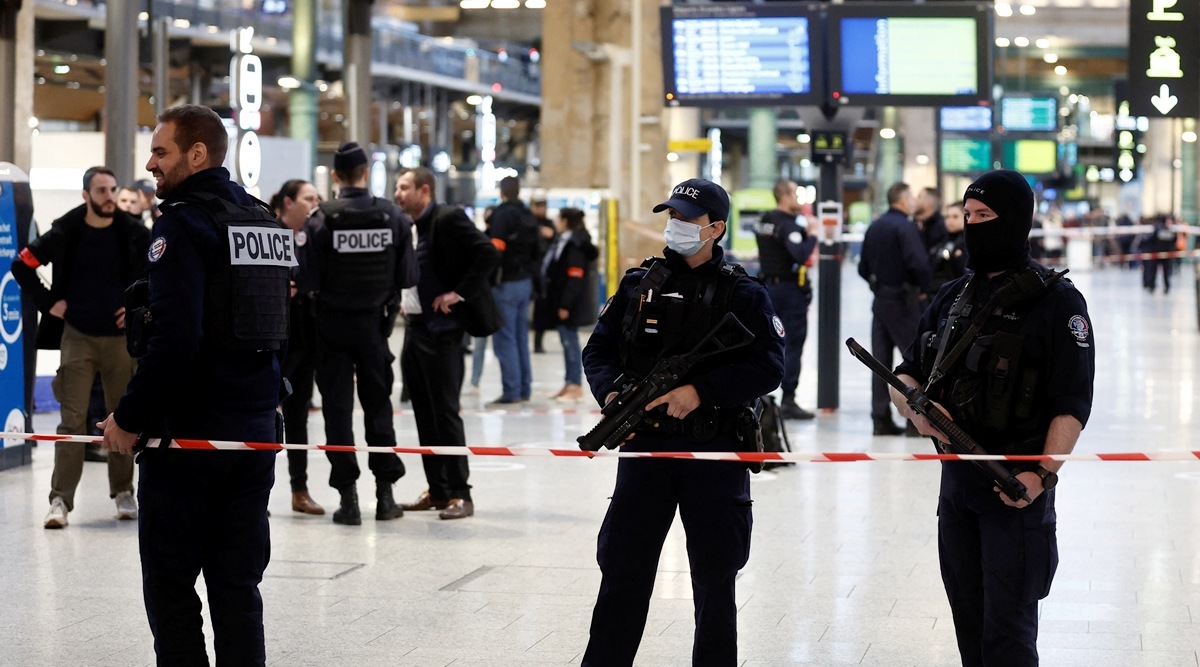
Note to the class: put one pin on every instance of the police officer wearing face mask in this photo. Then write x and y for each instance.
(1008, 352)
(362, 257)
(665, 308)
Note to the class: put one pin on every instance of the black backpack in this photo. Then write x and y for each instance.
(774, 434)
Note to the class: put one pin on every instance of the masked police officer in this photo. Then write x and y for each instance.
(784, 252)
(362, 258)
(662, 309)
(217, 305)
(1009, 353)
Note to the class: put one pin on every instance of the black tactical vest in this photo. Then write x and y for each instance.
(359, 272)
(774, 259)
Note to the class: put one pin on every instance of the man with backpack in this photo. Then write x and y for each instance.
(362, 257)
(514, 231)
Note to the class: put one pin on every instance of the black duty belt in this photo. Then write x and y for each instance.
(702, 424)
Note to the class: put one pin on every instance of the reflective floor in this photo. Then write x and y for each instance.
(843, 568)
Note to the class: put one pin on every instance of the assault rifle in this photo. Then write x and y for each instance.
(960, 442)
(627, 411)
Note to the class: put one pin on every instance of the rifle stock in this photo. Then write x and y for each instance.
(960, 441)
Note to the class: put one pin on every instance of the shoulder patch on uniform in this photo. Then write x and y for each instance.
(157, 248)
(778, 325)
(795, 238)
(301, 238)
(1079, 328)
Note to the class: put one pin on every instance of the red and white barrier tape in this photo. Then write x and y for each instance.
(744, 457)
(1148, 255)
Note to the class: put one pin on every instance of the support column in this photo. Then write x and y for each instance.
(356, 69)
(8, 81)
(161, 33)
(761, 146)
(889, 170)
(1188, 175)
(303, 103)
(121, 87)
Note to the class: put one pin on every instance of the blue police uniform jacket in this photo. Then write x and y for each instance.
(1058, 345)
(187, 384)
(893, 254)
(722, 381)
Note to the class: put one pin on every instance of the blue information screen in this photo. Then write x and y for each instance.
(12, 367)
(966, 119)
(909, 56)
(730, 57)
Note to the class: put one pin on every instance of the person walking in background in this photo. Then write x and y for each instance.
(514, 233)
(567, 304)
(785, 252)
(95, 251)
(546, 234)
(895, 264)
(294, 202)
(1160, 239)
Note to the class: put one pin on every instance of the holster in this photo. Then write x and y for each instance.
(139, 323)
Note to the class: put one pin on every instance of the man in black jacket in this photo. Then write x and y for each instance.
(455, 260)
(83, 314)
(514, 232)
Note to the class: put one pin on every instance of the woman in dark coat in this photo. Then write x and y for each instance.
(570, 300)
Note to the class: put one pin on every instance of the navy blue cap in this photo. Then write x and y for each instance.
(348, 156)
(696, 197)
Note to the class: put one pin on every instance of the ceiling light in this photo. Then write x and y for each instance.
(474, 100)
(144, 16)
(1042, 43)
(672, 157)
(1002, 42)
(62, 69)
(1050, 58)
(922, 159)
(1021, 42)
(535, 4)
(1003, 9)
(887, 133)
(506, 4)
(803, 138)
(182, 24)
(473, 4)
(1060, 70)
(1189, 137)
(1028, 10)
(288, 82)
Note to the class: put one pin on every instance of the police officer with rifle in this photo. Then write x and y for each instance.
(665, 308)
(362, 257)
(1007, 352)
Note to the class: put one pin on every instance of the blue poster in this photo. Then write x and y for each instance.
(15, 214)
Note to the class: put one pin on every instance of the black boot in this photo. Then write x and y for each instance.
(789, 410)
(347, 514)
(885, 426)
(385, 506)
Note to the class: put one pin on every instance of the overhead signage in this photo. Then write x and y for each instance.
(1164, 58)
(829, 146)
(245, 96)
(690, 145)
(1129, 147)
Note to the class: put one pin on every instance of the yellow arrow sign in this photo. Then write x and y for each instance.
(690, 145)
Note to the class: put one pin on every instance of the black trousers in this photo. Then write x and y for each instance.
(354, 347)
(432, 367)
(205, 512)
(894, 326)
(299, 367)
(791, 305)
(713, 498)
(997, 562)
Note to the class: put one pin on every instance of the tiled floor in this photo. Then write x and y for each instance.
(843, 568)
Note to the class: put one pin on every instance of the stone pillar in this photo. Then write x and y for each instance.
(356, 69)
(889, 170)
(303, 104)
(761, 145)
(121, 87)
(1188, 175)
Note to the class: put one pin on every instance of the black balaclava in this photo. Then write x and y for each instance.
(1002, 243)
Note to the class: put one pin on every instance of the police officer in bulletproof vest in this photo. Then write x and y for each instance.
(362, 256)
(665, 308)
(210, 326)
(1008, 353)
(784, 252)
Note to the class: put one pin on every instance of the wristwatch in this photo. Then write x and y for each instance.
(1049, 478)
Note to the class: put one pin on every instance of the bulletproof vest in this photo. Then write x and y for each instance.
(993, 389)
(773, 257)
(359, 272)
(672, 312)
(246, 291)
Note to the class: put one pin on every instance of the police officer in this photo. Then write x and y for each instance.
(217, 303)
(665, 308)
(784, 252)
(1009, 353)
(895, 264)
(362, 258)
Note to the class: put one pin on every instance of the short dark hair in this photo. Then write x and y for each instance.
(421, 176)
(573, 216)
(353, 176)
(784, 187)
(935, 194)
(510, 187)
(895, 192)
(289, 189)
(195, 124)
(91, 173)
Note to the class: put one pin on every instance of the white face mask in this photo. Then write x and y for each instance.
(684, 237)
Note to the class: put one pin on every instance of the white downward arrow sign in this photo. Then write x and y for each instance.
(1164, 101)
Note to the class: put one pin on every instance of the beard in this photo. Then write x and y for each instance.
(102, 210)
(171, 180)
